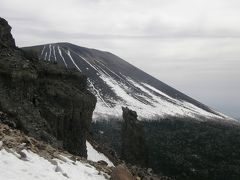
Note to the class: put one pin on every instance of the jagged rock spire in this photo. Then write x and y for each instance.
(6, 39)
(133, 139)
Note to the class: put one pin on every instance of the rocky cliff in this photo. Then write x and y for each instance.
(134, 148)
(43, 100)
(6, 39)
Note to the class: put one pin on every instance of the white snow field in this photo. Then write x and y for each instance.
(36, 167)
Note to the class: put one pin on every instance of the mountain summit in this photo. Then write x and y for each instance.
(117, 83)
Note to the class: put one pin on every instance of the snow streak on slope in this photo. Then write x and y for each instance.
(95, 156)
(60, 53)
(69, 54)
(117, 83)
(160, 105)
(36, 167)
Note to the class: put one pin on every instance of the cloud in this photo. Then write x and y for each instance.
(133, 19)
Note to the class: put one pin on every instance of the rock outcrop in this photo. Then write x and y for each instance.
(42, 99)
(134, 149)
(121, 173)
(6, 39)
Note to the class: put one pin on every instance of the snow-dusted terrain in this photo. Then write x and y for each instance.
(36, 167)
(117, 83)
(96, 156)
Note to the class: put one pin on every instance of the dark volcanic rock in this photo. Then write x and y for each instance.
(134, 149)
(43, 100)
(6, 39)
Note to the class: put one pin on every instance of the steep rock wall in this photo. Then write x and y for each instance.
(43, 100)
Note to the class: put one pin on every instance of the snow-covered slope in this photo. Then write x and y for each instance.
(117, 83)
(35, 167)
(25, 158)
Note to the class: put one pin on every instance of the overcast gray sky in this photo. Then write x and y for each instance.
(192, 45)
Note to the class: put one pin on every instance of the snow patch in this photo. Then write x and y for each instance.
(96, 156)
(50, 52)
(36, 167)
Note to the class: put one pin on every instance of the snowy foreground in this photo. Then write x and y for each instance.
(13, 167)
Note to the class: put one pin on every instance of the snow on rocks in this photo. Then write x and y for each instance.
(24, 158)
(96, 156)
(40, 168)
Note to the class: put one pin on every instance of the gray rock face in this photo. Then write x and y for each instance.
(6, 39)
(134, 149)
(43, 100)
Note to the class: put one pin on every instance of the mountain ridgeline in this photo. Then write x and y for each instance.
(117, 83)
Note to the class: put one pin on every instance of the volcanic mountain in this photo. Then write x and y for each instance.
(117, 83)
